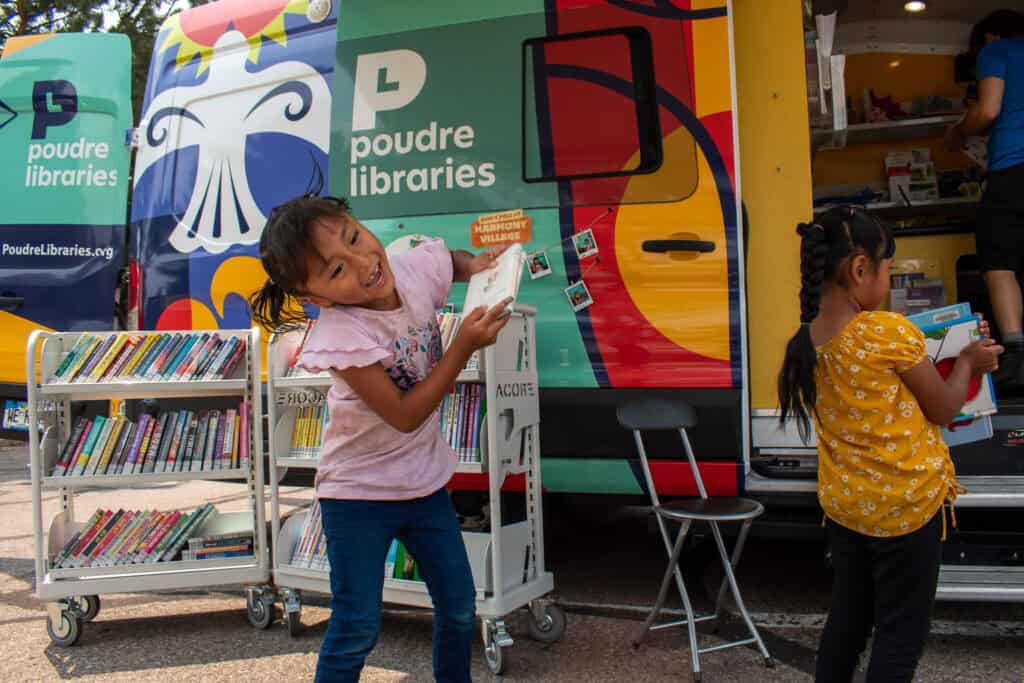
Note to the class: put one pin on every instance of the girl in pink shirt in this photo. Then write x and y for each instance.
(384, 462)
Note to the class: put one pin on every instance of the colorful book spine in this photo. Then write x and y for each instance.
(83, 456)
(229, 438)
(216, 458)
(95, 352)
(145, 344)
(152, 538)
(168, 352)
(86, 538)
(170, 427)
(70, 447)
(116, 370)
(243, 437)
(72, 543)
(236, 440)
(191, 444)
(149, 453)
(202, 439)
(116, 455)
(110, 358)
(195, 523)
(135, 444)
(192, 356)
(160, 342)
(85, 557)
(211, 355)
(178, 440)
(103, 443)
(69, 359)
(167, 372)
(223, 352)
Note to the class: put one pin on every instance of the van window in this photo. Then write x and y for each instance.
(625, 135)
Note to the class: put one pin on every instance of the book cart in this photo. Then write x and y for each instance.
(71, 593)
(507, 562)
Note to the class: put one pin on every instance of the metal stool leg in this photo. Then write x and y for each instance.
(691, 622)
(735, 561)
(731, 578)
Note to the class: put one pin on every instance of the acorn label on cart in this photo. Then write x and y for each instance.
(300, 397)
(517, 390)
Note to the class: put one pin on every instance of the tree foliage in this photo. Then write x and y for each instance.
(140, 20)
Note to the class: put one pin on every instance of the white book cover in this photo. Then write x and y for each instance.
(490, 287)
(943, 344)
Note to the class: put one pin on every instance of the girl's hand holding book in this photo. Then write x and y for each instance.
(485, 259)
(480, 327)
(983, 355)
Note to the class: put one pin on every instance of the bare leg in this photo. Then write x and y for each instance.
(1004, 291)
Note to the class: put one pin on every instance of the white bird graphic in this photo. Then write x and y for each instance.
(217, 116)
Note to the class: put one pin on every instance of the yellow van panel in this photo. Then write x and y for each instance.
(776, 176)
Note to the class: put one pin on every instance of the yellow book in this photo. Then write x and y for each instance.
(143, 350)
(318, 434)
(235, 441)
(82, 358)
(296, 433)
(108, 446)
(108, 357)
(310, 428)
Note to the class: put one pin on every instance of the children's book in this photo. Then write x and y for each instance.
(947, 331)
(489, 287)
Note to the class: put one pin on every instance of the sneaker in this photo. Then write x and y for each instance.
(1009, 376)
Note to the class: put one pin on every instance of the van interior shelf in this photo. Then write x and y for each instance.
(884, 131)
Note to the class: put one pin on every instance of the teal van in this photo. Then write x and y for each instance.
(65, 112)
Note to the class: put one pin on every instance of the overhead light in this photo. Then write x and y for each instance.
(915, 6)
(894, 64)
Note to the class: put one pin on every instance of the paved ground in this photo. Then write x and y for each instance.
(606, 568)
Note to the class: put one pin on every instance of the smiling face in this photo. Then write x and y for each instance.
(347, 265)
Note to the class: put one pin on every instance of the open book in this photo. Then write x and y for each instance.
(490, 287)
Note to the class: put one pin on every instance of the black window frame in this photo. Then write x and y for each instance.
(641, 57)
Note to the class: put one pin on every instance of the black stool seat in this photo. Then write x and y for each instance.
(711, 509)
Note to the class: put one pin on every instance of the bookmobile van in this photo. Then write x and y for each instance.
(643, 122)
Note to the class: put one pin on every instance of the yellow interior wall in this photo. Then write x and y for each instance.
(775, 174)
(941, 249)
(901, 76)
(866, 163)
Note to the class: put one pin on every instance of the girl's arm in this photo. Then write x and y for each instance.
(406, 411)
(941, 400)
(466, 264)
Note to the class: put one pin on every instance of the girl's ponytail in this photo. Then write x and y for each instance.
(274, 309)
(797, 392)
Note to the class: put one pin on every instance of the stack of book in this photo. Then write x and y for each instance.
(175, 441)
(153, 357)
(124, 537)
(311, 550)
(218, 546)
(308, 432)
(462, 420)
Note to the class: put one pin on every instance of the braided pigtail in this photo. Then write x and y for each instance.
(797, 391)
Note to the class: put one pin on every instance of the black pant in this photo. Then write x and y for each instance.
(885, 583)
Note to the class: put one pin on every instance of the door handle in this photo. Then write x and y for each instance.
(11, 303)
(666, 246)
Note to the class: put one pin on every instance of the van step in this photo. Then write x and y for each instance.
(998, 492)
(981, 583)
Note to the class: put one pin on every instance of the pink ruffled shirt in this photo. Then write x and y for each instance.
(363, 457)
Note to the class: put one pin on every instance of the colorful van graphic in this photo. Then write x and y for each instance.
(65, 110)
(609, 117)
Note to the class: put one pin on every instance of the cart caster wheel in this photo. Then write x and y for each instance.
(294, 623)
(697, 677)
(65, 633)
(262, 612)
(551, 626)
(769, 663)
(87, 607)
(495, 657)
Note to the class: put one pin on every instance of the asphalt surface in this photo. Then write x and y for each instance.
(607, 563)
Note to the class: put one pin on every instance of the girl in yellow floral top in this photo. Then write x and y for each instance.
(884, 472)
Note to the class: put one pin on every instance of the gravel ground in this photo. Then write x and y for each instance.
(606, 571)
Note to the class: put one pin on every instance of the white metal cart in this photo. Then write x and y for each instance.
(507, 562)
(72, 594)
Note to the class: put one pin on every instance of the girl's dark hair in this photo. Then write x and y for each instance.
(284, 246)
(1005, 23)
(837, 235)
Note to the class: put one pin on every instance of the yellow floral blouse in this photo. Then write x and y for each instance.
(883, 468)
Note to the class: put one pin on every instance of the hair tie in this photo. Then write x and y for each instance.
(805, 229)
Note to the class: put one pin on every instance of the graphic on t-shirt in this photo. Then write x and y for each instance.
(415, 355)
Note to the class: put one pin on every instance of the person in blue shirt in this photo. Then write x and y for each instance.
(999, 229)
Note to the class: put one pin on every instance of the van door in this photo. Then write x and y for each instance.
(65, 109)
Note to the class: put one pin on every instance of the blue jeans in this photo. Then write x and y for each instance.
(359, 533)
